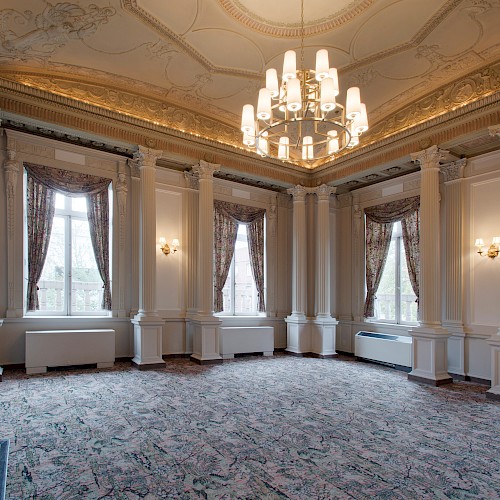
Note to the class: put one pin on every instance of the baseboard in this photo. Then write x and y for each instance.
(476, 380)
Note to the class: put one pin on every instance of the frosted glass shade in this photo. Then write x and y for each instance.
(293, 97)
(353, 103)
(263, 145)
(322, 65)
(289, 65)
(307, 148)
(248, 139)
(283, 148)
(264, 104)
(334, 75)
(496, 240)
(248, 120)
(333, 142)
(272, 82)
(327, 95)
(479, 242)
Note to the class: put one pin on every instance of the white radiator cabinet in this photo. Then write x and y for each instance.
(53, 348)
(245, 339)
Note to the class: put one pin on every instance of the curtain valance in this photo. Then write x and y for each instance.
(393, 211)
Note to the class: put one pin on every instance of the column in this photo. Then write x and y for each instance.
(121, 191)
(453, 284)
(148, 325)
(323, 327)
(298, 328)
(205, 324)
(429, 349)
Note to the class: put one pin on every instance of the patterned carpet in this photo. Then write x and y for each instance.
(251, 428)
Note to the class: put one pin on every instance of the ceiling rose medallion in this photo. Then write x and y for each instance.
(300, 120)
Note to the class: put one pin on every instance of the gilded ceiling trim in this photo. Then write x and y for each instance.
(474, 117)
(239, 12)
(40, 105)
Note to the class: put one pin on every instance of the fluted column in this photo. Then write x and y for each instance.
(148, 325)
(429, 362)
(298, 328)
(205, 324)
(271, 257)
(453, 245)
(121, 191)
(323, 327)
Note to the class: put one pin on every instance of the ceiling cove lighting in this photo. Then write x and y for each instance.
(300, 119)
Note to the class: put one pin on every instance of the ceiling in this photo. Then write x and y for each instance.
(190, 65)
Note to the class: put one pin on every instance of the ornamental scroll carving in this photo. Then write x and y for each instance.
(191, 180)
(11, 168)
(28, 34)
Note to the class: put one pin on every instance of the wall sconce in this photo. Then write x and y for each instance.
(165, 248)
(492, 251)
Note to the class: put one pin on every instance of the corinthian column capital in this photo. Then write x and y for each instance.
(298, 192)
(454, 171)
(323, 192)
(146, 157)
(429, 158)
(205, 170)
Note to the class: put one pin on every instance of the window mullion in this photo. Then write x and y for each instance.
(233, 284)
(68, 264)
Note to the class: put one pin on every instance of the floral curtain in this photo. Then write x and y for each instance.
(40, 215)
(224, 246)
(225, 232)
(96, 190)
(411, 239)
(378, 239)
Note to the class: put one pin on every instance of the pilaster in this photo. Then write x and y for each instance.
(298, 327)
(205, 325)
(272, 259)
(148, 325)
(121, 191)
(453, 276)
(429, 348)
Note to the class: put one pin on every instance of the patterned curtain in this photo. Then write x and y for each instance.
(378, 219)
(240, 214)
(411, 239)
(40, 215)
(378, 239)
(98, 216)
(225, 232)
(255, 237)
(96, 190)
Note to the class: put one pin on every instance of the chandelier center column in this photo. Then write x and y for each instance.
(205, 324)
(298, 328)
(430, 340)
(148, 325)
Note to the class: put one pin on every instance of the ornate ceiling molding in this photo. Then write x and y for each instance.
(258, 23)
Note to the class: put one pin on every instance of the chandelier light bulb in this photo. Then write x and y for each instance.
(353, 103)
(272, 82)
(289, 65)
(307, 148)
(322, 65)
(327, 95)
(248, 139)
(283, 148)
(361, 121)
(248, 120)
(264, 104)
(333, 142)
(293, 95)
(334, 75)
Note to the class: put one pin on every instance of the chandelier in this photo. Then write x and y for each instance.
(300, 120)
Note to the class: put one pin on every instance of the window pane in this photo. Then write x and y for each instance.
(51, 284)
(408, 304)
(86, 288)
(79, 204)
(226, 292)
(385, 301)
(60, 199)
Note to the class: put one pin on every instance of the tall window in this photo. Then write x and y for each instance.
(395, 300)
(70, 281)
(240, 290)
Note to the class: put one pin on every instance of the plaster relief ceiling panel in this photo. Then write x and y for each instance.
(192, 64)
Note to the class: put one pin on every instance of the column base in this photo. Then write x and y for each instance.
(205, 331)
(429, 356)
(148, 333)
(494, 392)
(298, 334)
(323, 336)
